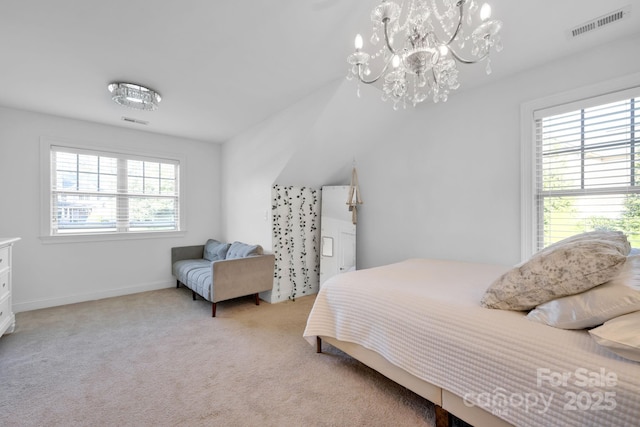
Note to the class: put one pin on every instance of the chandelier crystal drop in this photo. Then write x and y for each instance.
(134, 96)
(422, 43)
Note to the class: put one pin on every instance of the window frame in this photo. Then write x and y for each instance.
(583, 97)
(46, 151)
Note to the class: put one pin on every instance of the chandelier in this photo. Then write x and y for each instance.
(134, 96)
(422, 43)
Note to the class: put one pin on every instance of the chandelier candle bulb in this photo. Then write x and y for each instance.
(485, 11)
(424, 42)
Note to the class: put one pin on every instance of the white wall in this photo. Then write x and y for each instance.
(253, 160)
(439, 181)
(46, 275)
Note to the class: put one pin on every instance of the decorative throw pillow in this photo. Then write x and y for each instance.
(222, 250)
(620, 335)
(618, 296)
(615, 237)
(215, 250)
(242, 250)
(569, 267)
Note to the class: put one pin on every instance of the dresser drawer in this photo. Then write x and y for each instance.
(4, 258)
(5, 310)
(4, 284)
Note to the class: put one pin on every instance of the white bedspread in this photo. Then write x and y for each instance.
(424, 316)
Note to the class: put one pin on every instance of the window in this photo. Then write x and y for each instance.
(587, 168)
(97, 192)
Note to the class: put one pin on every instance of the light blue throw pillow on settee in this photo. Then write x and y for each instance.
(241, 250)
(215, 250)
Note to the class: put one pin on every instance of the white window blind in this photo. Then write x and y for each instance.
(588, 168)
(101, 192)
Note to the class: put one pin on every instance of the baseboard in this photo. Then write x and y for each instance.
(73, 299)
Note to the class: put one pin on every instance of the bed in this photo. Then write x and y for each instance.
(420, 323)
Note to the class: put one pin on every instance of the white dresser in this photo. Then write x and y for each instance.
(7, 318)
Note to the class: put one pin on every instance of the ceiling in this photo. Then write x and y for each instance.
(222, 67)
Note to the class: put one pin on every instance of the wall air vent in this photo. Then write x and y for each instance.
(131, 120)
(599, 22)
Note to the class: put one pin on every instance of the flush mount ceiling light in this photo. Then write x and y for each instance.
(134, 96)
(422, 43)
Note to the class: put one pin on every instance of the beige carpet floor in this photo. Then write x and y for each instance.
(159, 359)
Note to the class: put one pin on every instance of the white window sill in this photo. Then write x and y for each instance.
(98, 237)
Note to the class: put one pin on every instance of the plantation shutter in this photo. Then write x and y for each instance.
(587, 167)
(103, 192)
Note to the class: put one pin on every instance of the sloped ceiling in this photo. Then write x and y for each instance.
(223, 67)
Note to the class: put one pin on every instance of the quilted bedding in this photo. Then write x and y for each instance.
(424, 316)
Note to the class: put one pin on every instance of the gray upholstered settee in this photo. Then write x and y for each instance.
(221, 271)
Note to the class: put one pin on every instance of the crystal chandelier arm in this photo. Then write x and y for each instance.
(460, 18)
(460, 5)
(437, 40)
(385, 21)
(459, 58)
(467, 61)
(368, 82)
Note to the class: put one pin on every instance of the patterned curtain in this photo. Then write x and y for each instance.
(296, 233)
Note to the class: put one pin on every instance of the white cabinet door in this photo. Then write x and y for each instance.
(338, 233)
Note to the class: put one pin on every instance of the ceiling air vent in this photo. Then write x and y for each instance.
(130, 120)
(599, 22)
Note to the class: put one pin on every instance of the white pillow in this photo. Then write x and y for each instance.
(620, 335)
(571, 266)
(592, 308)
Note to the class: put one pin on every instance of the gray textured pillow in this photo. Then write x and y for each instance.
(566, 268)
(215, 250)
(619, 296)
(242, 250)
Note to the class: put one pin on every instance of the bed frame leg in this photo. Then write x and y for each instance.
(193, 294)
(257, 298)
(442, 417)
(213, 309)
(177, 283)
(318, 345)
